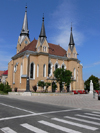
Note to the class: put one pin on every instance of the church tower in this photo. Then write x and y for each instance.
(71, 52)
(23, 39)
(42, 44)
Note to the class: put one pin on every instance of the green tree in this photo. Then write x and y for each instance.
(63, 76)
(42, 84)
(47, 84)
(95, 83)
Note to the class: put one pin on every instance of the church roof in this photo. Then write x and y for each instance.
(1, 72)
(5, 72)
(53, 49)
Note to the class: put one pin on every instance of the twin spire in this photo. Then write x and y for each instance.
(25, 30)
(42, 32)
(42, 35)
(71, 42)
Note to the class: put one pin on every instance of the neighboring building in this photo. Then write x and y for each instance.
(1, 72)
(4, 76)
(38, 59)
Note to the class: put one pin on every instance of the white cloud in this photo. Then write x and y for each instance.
(62, 17)
(92, 65)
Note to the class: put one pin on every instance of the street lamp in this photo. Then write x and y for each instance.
(72, 79)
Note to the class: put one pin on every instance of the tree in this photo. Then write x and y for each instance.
(42, 84)
(63, 76)
(95, 83)
(47, 84)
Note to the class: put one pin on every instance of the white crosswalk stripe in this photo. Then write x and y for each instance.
(82, 120)
(7, 130)
(92, 114)
(85, 116)
(96, 112)
(75, 124)
(64, 129)
(32, 128)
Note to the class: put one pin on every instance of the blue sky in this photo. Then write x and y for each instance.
(85, 18)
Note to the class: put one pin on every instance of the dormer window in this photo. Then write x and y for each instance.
(38, 49)
(44, 49)
(68, 54)
(26, 42)
(74, 55)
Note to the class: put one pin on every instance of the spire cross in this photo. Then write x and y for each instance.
(71, 26)
(43, 17)
(26, 8)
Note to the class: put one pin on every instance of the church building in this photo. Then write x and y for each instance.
(39, 59)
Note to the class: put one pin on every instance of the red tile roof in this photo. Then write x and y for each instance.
(1, 72)
(53, 49)
(5, 72)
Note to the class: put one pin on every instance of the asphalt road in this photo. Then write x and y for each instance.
(18, 116)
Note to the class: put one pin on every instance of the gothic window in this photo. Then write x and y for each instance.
(68, 54)
(63, 66)
(77, 75)
(74, 55)
(20, 72)
(32, 70)
(38, 49)
(74, 73)
(44, 70)
(15, 68)
(44, 49)
(56, 66)
(49, 69)
(38, 70)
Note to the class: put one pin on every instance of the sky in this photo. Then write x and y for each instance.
(58, 16)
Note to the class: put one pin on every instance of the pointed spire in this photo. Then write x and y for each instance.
(25, 30)
(42, 33)
(71, 38)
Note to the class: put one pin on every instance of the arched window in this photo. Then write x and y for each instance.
(44, 70)
(56, 66)
(20, 72)
(49, 69)
(63, 66)
(77, 75)
(44, 48)
(38, 70)
(32, 70)
(74, 73)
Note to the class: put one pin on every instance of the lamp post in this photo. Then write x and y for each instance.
(72, 82)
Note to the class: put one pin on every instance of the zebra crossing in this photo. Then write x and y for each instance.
(89, 122)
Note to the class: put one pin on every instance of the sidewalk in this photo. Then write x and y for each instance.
(84, 101)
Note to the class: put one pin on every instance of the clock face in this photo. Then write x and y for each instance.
(26, 42)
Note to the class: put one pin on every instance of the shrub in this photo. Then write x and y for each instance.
(7, 88)
(34, 88)
(1, 87)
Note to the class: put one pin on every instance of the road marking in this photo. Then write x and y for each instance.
(14, 117)
(94, 118)
(35, 114)
(17, 108)
(96, 112)
(82, 120)
(7, 130)
(32, 128)
(92, 114)
(75, 124)
(64, 129)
